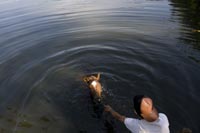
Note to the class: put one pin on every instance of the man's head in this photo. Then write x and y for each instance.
(144, 108)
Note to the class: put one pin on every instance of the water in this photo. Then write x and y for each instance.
(139, 46)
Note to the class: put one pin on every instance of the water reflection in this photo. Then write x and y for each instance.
(46, 46)
(188, 13)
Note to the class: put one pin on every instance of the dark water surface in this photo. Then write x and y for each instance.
(140, 47)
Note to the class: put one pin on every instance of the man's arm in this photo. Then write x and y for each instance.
(114, 113)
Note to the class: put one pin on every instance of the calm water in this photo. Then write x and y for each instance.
(139, 46)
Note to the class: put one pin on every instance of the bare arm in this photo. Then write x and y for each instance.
(115, 114)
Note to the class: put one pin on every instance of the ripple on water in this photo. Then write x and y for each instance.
(47, 46)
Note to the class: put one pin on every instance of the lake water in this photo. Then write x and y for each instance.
(139, 46)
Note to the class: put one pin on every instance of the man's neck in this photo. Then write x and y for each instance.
(153, 117)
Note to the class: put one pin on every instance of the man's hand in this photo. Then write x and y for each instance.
(115, 114)
(107, 108)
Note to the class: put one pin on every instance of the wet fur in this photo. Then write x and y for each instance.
(95, 90)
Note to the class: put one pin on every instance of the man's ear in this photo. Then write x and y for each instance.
(135, 112)
(142, 115)
(139, 115)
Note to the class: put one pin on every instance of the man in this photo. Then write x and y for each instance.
(151, 121)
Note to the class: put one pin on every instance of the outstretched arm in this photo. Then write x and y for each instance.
(114, 113)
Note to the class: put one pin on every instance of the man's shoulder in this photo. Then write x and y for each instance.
(163, 116)
(131, 121)
(128, 120)
(163, 119)
(131, 124)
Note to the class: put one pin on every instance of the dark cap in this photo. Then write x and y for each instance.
(137, 102)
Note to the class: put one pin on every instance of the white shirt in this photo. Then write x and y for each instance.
(161, 125)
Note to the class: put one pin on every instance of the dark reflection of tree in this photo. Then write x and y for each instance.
(188, 11)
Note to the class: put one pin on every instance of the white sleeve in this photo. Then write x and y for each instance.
(131, 124)
(165, 123)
